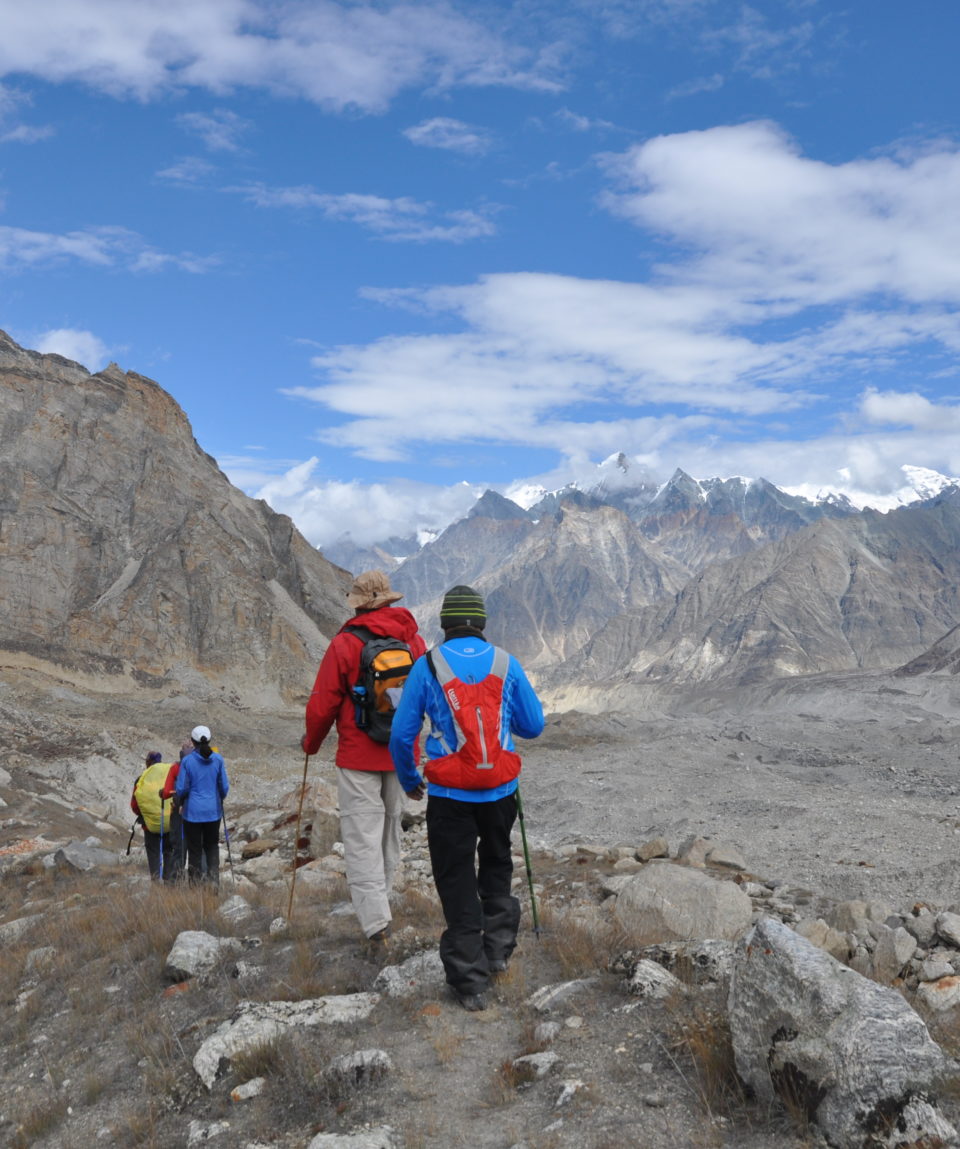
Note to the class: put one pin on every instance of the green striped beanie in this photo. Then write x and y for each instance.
(462, 606)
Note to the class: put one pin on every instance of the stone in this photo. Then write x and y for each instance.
(235, 909)
(948, 928)
(548, 997)
(39, 959)
(13, 931)
(196, 952)
(536, 1066)
(252, 1088)
(266, 868)
(652, 981)
(825, 937)
(933, 969)
(894, 948)
(258, 1023)
(940, 995)
(257, 847)
(569, 1090)
(546, 1032)
(200, 1134)
(614, 883)
(379, 1138)
(852, 1053)
(81, 857)
(727, 856)
(363, 1067)
(693, 852)
(666, 902)
(923, 927)
(422, 971)
(655, 848)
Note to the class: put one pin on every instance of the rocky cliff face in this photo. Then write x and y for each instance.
(870, 590)
(548, 586)
(124, 550)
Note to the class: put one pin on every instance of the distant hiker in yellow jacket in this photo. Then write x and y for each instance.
(154, 811)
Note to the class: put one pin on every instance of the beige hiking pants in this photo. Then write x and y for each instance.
(371, 802)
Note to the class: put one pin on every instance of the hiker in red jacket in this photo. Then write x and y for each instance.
(370, 797)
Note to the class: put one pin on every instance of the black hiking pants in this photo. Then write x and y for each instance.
(203, 851)
(160, 849)
(472, 868)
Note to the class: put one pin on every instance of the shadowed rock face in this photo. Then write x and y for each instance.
(870, 590)
(125, 550)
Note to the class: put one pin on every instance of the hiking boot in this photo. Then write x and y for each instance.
(497, 965)
(377, 942)
(471, 1002)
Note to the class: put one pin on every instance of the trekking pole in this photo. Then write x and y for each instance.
(161, 835)
(526, 858)
(226, 838)
(133, 830)
(296, 839)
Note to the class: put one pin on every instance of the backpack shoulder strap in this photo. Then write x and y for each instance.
(439, 667)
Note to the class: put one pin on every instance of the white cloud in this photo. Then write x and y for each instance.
(220, 130)
(81, 346)
(450, 135)
(772, 225)
(780, 275)
(581, 123)
(26, 134)
(696, 87)
(12, 101)
(99, 246)
(189, 170)
(400, 220)
(325, 511)
(907, 408)
(336, 54)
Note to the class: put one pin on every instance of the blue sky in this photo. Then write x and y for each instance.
(386, 255)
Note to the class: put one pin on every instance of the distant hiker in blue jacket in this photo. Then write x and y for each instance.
(202, 785)
(476, 697)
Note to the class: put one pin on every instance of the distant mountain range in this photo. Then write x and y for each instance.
(126, 553)
(695, 580)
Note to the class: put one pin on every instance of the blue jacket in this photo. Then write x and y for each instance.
(202, 785)
(470, 660)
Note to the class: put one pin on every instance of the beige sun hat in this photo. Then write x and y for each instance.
(371, 590)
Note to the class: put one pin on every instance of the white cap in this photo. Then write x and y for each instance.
(200, 732)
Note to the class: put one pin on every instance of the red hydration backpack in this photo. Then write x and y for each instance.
(479, 761)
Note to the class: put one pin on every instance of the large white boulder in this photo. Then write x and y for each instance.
(849, 1052)
(666, 903)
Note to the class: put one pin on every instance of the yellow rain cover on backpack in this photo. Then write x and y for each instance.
(147, 794)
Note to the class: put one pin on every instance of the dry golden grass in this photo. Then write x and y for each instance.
(578, 949)
(37, 1115)
(701, 1048)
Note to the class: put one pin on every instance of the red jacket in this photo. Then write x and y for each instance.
(339, 671)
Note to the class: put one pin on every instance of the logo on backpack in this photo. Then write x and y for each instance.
(385, 663)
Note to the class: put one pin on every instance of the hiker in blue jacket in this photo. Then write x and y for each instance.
(202, 785)
(471, 784)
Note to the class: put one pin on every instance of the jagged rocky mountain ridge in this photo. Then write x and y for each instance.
(727, 579)
(128, 554)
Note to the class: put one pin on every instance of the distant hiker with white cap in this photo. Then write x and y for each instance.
(476, 697)
(357, 687)
(202, 785)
